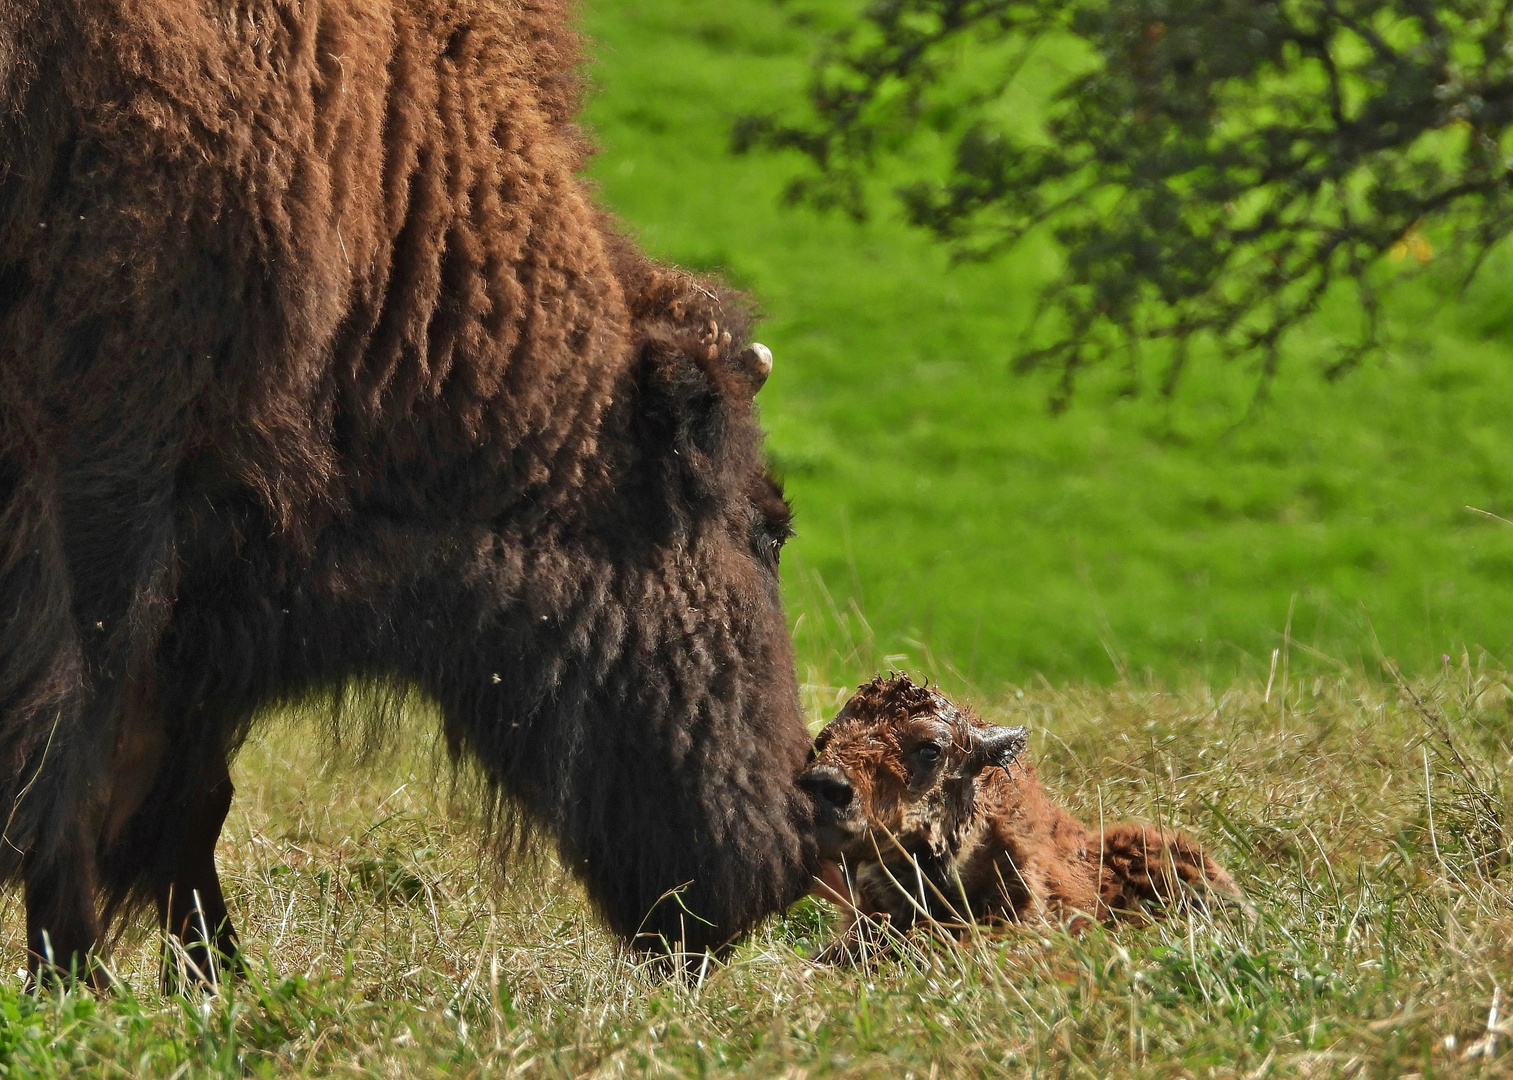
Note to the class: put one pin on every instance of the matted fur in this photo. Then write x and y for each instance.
(318, 363)
(937, 816)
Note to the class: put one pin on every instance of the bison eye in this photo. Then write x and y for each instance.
(928, 754)
(771, 521)
(769, 540)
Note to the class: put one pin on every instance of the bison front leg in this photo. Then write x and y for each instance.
(117, 537)
(62, 921)
(73, 784)
(191, 906)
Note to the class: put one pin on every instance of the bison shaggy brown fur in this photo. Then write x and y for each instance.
(318, 364)
(937, 816)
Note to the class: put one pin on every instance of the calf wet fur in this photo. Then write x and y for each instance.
(937, 816)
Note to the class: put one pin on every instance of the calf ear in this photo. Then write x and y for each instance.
(999, 746)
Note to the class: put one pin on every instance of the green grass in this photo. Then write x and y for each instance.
(936, 494)
(383, 945)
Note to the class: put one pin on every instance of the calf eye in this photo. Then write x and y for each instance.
(928, 754)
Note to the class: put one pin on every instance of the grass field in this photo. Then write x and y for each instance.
(937, 497)
(1364, 827)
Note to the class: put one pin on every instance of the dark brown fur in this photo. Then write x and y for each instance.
(318, 363)
(972, 834)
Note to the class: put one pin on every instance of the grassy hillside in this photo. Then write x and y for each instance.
(946, 518)
(383, 947)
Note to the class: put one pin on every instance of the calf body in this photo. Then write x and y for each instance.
(935, 815)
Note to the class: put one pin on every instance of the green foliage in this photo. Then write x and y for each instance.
(1210, 169)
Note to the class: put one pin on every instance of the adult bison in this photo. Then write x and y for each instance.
(319, 364)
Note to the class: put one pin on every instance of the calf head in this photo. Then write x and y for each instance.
(894, 774)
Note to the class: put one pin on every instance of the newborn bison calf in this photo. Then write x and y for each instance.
(935, 815)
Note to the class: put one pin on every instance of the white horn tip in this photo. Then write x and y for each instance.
(758, 358)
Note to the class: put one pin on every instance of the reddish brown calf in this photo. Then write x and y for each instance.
(937, 816)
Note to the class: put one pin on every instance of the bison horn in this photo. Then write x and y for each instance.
(757, 359)
(999, 746)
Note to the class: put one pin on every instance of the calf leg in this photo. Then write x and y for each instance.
(1144, 866)
(191, 906)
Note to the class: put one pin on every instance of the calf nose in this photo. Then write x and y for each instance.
(827, 787)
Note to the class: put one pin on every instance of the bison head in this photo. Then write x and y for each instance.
(894, 773)
(641, 699)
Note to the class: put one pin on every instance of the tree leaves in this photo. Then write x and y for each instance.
(1209, 170)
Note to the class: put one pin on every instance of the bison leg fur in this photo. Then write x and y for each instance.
(62, 922)
(191, 906)
(118, 607)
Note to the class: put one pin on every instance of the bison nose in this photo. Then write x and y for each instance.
(828, 788)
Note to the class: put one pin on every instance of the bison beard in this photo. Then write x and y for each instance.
(318, 364)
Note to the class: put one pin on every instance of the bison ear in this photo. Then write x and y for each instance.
(999, 746)
(682, 418)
